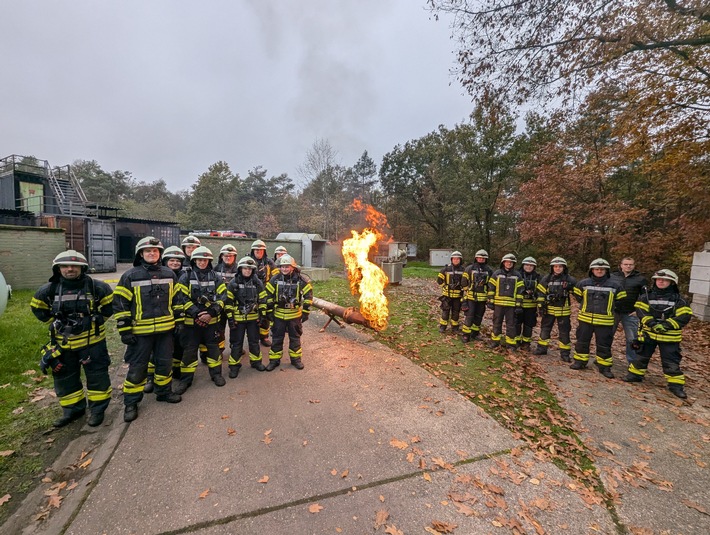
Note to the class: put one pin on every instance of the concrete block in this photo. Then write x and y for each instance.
(707, 246)
(699, 287)
(701, 299)
(701, 259)
(316, 274)
(701, 273)
(701, 312)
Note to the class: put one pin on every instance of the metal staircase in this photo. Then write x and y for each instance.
(66, 187)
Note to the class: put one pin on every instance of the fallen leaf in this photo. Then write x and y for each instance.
(695, 506)
(18, 410)
(315, 508)
(267, 440)
(225, 416)
(534, 481)
(5, 385)
(267, 432)
(55, 501)
(333, 472)
(226, 469)
(399, 444)
(380, 518)
(6, 453)
(204, 494)
(314, 401)
(382, 498)
(443, 527)
(264, 479)
(231, 432)
(5, 499)
(345, 473)
(83, 454)
(392, 530)
(426, 476)
(85, 463)
(73, 485)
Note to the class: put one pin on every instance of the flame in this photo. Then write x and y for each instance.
(367, 278)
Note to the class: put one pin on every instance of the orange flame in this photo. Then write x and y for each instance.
(367, 278)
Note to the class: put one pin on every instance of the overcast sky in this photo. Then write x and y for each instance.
(164, 89)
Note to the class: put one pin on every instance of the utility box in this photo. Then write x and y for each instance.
(700, 284)
(393, 270)
(439, 257)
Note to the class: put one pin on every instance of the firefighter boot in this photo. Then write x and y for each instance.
(605, 371)
(493, 344)
(465, 338)
(455, 329)
(564, 355)
(677, 390)
(578, 365)
(234, 370)
(273, 364)
(182, 385)
(258, 365)
(130, 413)
(170, 397)
(216, 376)
(296, 363)
(442, 329)
(632, 378)
(96, 419)
(149, 386)
(524, 346)
(68, 416)
(541, 350)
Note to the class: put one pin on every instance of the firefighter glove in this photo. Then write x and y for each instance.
(129, 339)
(50, 359)
(464, 305)
(659, 328)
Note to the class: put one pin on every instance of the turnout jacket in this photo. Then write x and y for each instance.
(597, 297)
(530, 294)
(666, 307)
(288, 296)
(450, 278)
(226, 273)
(475, 282)
(75, 311)
(246, 298)
(633, 284)
(145, 301)
(505, 288)
(201, 290)
(554, 293)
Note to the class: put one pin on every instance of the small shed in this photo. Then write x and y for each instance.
(312, 247)
(439, 257)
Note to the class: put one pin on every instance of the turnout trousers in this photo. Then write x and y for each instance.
(68, 384)
(473, 318)
(501, 313)
(450, 311)
(279, 329)
(192, 337)
(603, 334)
(670, 360)
(524, 325)
(564, 327)
(236, 342)
(137, 356)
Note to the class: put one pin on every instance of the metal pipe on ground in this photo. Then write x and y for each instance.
(349, 314)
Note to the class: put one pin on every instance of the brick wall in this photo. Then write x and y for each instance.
(26, 254)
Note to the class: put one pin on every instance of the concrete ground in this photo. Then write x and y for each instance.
(364, 441)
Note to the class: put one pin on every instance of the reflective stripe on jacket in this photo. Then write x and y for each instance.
(505, 288)
(597, 298)
(144, 300)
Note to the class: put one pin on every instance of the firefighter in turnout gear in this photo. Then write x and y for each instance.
(145, 308)
(505, 298)
(475, 289)
(75, 307)
(526, 322)
(189, 244)
(289, 298)
(202, 297)
(265, 268)
(450, 279)
(226, 269)
(554, 291)
(246, 307)
(662, 313)
(597, 296)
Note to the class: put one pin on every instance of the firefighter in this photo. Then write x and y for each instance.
(202, 297)
(289, 298)
(246, 304)
(662, 313)
(144, 302)
(526, 321)
(265, 268)
(505, 299)
(475, 289)
(75, 307)
(189, 244)
(279, 252)
(597, 296)
(624, 312)
(450, 279)
(554, 291)
(226, 269)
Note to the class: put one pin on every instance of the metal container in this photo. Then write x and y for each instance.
(393, 270)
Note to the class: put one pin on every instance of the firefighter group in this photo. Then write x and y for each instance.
(652, 316)
(172, 309)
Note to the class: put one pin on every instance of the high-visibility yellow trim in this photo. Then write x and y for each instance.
(71, 399)
(99, 395)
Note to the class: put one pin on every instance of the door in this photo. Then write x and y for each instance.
(101, 245)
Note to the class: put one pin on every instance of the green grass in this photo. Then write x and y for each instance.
(420, 270)
(510, 388)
